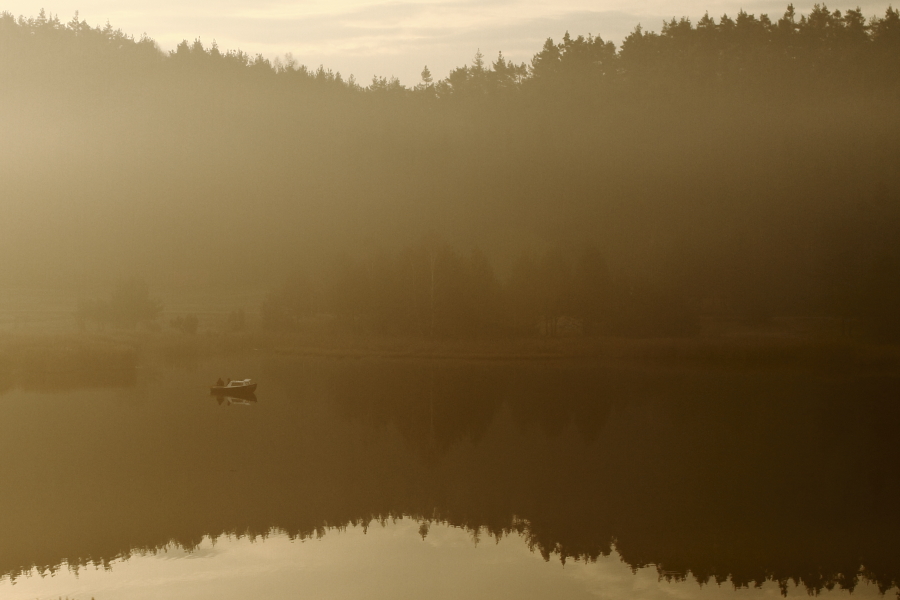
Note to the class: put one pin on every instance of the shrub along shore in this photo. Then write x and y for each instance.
(117, 336)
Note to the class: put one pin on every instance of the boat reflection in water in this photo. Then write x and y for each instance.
(247, 400)
(777, 478)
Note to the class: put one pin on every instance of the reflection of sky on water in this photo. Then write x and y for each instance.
(385, 562)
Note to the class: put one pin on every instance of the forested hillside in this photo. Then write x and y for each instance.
(745, 165)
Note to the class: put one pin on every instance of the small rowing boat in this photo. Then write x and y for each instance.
(234, 388)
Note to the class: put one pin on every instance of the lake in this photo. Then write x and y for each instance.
(409, 479)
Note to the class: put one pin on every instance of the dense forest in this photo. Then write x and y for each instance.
(739, 165)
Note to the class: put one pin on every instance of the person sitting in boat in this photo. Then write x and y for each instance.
(219, 382)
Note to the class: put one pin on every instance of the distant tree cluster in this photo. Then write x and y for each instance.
(432, 290)
(129, 304)
(743, 165)
(186, 324)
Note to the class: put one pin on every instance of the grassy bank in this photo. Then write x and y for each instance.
(749, 351)
(753, 351)
(64, 361)
(47, 361)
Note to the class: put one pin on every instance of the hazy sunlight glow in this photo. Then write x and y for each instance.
(369, 37)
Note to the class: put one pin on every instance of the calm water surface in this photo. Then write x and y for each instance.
(383, 479)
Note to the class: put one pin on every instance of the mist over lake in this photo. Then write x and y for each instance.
(619, 320)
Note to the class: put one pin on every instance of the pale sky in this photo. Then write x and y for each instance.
(391, 38)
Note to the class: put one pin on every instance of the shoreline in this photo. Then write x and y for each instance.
(37, 353)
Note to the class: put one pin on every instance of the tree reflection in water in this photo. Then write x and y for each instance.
(719, 476)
